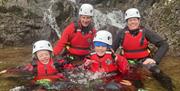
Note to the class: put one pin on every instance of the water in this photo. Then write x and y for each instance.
(50, 19)
(114, 18)
(17, 56)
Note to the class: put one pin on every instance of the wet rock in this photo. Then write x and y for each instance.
(24, 21)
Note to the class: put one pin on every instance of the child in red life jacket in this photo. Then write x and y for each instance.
(106, 61)
(43, 65)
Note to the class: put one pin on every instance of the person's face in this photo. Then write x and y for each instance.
(100, 50)
(85, 20)
(43, 56)
(133, 23)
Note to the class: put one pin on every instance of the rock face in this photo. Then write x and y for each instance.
(164, 18)
(24, 21)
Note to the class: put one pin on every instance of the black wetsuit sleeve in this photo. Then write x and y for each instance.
(161, 44)
(118, 40)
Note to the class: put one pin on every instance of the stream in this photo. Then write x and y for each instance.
(18, 56)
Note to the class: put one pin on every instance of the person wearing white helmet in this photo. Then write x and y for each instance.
(102, 39)
(86, 9)
(42, 66)
(42, 45)
(134, 40)
(132, 13)
(104, 60)
(42, 50)
(77, 38)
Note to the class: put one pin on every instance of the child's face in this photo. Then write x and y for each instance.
(100, 50)
(43, 56)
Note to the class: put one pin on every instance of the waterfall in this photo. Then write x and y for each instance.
(50, 19)
(114, 18)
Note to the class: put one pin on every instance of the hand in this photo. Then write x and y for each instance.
(115, 56)
(149, 61)
(89, 62)
(3, 71)
(126, 82)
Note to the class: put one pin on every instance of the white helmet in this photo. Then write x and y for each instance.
(86, 9)
(103, 36)
(132, 12)
(42, 45)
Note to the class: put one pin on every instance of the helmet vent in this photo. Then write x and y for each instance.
(109, 37)
(49, 45)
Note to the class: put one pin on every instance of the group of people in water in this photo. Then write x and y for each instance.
(82, 44)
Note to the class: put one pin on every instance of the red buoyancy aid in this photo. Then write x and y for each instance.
(47, 71)
(80, 43)
(108, 64)
(133, 49)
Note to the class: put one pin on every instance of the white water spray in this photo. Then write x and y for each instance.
(114, 18)
(50, 19)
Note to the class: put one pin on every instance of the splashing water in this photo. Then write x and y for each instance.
(114, 18)
(18, 88)
(80, 75)
(50, 19)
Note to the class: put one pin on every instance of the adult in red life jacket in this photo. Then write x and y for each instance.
(77, 38)
(43, 64)
(106, 61)
(134, 40)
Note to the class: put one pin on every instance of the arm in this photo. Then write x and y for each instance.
(59, 47)
(28, 68)
(122, 65)
(117, 41)
(161, 44)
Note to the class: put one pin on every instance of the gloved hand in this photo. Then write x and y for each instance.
(149, 61)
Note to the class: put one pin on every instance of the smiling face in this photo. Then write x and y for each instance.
(133, 23)
(85, 20)
(43, 56)
(100, 50)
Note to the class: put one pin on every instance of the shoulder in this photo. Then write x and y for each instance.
(151, 35)
(108, 52)
(69, 30)
(70, 27)
(145, 30)
(121, 32)
(92, 53)
(120, 57)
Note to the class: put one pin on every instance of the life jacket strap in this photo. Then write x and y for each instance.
(139, 50)
(80, 48)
